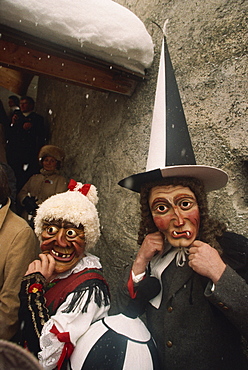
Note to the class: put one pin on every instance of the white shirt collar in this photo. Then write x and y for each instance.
(159, 263)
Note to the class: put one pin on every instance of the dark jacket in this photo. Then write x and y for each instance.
(23, 146)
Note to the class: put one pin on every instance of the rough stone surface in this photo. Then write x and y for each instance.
(106, 136)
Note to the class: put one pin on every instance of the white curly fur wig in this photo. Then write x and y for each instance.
(74, 207)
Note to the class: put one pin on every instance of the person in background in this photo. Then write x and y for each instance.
(26, 134)
(6, 118)
(41, 186)
(64, 292)
(18, 247)
(14, 105)
(3, 115)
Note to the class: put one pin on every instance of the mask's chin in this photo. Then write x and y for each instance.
(63, 267)
(64, 260)
(182, 242)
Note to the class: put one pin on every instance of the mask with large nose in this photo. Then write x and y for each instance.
(176, 214)
(65, 242)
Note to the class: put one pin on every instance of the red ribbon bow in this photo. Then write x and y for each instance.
(68, 347)
(73, 186)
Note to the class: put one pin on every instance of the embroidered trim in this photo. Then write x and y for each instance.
(33, 300)
(34, 288)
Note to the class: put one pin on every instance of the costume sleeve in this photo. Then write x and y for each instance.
(22, 251)
(133, 282)
(230, 295)
(61, 332)
(126, 290)
(33, 312)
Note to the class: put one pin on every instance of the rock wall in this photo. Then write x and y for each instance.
(106, 135)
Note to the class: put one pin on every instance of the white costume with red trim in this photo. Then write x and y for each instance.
(75, 322)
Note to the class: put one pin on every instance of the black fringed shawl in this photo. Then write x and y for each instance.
(88, 280)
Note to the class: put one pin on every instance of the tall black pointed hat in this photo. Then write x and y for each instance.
(170, 152)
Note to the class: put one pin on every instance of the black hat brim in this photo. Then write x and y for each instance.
(213, 178)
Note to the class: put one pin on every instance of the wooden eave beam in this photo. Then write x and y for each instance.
(42, 58)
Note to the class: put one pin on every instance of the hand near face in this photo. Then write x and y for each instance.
(45, 266)
(14, 119)
(206, 261)
(152, 244)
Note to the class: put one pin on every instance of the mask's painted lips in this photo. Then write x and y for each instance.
(181, 234)
(64, 257)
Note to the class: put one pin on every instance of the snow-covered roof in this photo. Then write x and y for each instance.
(100, 28)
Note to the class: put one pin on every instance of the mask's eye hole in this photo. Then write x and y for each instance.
(71, 233)
(51, 230)
(161, 208)
(186, 204)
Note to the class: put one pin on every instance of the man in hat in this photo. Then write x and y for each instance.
(201, 313)
(202, 310)
(64, 291)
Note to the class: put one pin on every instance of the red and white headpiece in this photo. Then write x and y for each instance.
(77, 205)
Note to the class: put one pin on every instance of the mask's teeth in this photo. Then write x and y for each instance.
(57, 254)
(188, 233)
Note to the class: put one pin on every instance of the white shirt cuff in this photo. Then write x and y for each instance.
(137, 278)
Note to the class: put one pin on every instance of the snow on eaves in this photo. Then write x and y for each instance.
(100, 28)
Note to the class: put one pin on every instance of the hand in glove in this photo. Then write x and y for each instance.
(30, 204)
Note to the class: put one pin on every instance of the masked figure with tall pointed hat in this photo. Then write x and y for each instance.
(200, 315)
